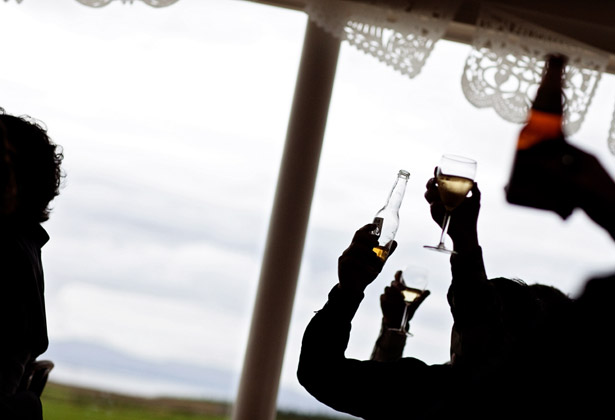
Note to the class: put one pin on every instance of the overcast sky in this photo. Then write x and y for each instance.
(173, 122)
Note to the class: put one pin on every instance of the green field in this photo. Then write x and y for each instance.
(61, 402)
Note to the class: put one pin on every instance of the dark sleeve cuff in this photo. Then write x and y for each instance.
(389, 346)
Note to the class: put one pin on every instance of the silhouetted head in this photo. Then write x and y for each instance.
(508, 320)
(30, 173)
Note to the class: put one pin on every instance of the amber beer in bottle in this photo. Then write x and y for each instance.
(543, 159)
(387, 218)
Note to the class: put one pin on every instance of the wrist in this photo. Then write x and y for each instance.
(351, 289)
(465, 243)
(601, 211)
(389, 323)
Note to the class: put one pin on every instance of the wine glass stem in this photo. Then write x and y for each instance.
(403, 318)
(445, 223)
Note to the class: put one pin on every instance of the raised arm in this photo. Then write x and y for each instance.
(595, 191)
(467, 261)
(471, 296)
(390, 343)
(365, 389)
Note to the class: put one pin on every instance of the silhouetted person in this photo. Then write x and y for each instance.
(502, 344)
(30, 177)
(586, 367)
(390, 343)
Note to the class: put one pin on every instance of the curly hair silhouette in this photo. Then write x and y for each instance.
(30, 172)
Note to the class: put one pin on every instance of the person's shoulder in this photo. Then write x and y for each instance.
(598, 288)
(594, 305)
(20, 245)
(21, 230)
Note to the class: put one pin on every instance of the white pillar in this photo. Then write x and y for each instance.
(260, 377)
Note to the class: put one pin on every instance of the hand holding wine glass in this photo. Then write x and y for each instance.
(454, 179)
(463, 228)
(411, 283)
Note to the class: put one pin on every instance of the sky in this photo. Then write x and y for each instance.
(173, 123)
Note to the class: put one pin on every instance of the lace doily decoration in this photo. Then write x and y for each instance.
(504, 68)
(101, 3)
(402, 34)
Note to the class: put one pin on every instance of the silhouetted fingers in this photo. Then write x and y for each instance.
(431, 193)
(393, 248)
(475, 192)
(363, 241)
(392, 299)
(423, 296)
(360, 252)
(365, 234)
(417, 302)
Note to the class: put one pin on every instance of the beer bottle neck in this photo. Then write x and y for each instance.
(397, 194)
(550, 92)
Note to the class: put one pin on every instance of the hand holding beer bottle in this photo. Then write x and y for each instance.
(372, 244)
(548, 172)
(543, 159)
(387, 218)
(359, 265)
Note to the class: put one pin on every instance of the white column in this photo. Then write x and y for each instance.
(260, 377)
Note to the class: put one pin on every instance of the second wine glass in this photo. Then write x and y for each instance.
(413, 281)
(454, 178)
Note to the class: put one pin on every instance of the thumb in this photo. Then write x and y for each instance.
(423, 297)
(393, 248)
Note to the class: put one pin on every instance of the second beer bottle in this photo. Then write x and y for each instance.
(387, 218)
(543, 159)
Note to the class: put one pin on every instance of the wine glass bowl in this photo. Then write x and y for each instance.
(454, 179)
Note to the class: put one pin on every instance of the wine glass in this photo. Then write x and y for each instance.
(455, 178)
(414, 282)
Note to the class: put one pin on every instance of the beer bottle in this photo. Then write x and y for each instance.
(543, 157)
(387, 218)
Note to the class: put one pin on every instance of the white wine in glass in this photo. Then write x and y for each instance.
(454, 178)
(411, 294)
(453, 190)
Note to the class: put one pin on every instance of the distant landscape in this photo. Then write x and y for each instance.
(98, 366)
(64, 402)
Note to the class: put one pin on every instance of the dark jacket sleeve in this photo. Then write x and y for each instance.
(367, 389)
(15, 274)
(389, 345)
(470, 296)
(23, 328)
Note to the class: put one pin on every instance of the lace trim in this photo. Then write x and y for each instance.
(101, 3)
(611, 139)
(504, 68)
(401, 35)
(502, 71)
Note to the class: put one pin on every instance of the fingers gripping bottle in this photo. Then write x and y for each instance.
(387, 218)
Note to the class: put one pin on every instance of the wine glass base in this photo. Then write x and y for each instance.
(440, 249)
